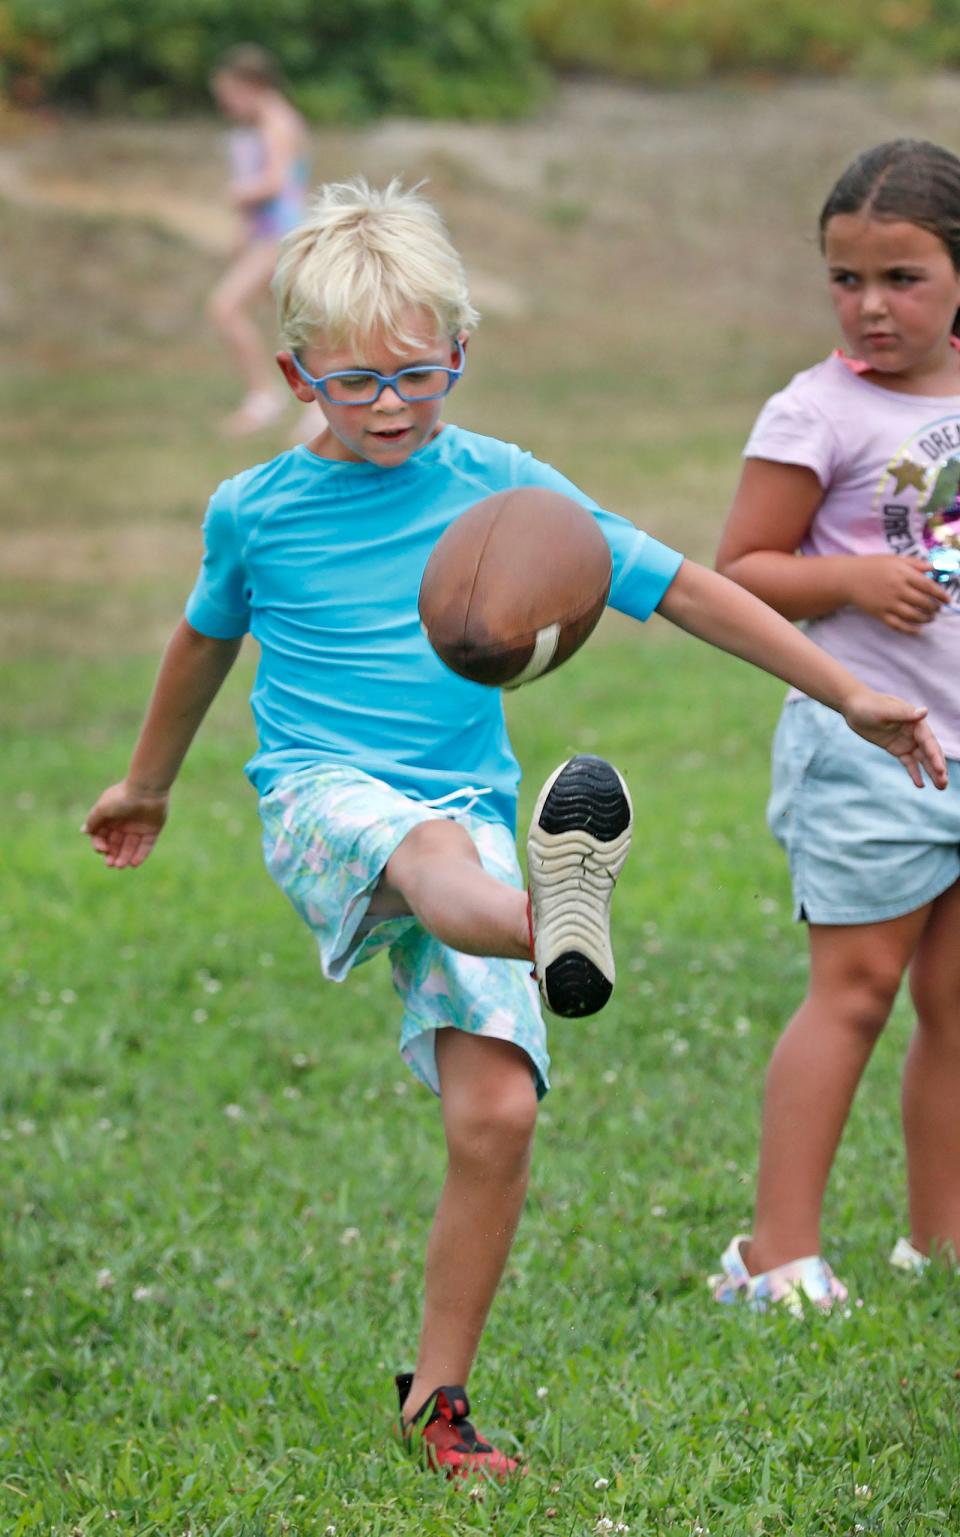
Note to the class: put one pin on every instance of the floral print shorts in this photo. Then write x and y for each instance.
(328, 833)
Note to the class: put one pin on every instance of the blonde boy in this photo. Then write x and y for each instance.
(387, 785)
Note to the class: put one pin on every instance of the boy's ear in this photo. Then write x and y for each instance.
(463, 337)
(300, 389)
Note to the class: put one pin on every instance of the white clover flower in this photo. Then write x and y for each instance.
(142, 1293)
(610, 1076)
(658, 1211)
(200, 1016)
(476, 1493)
(601, 1483)
(26, 1128)
(213, 1398)
(330, 1531)
(104, 1280)
(67, 995)
(290, 1091)
(604, 1524)
(300, 1059)
(349, 1235)
(233, 1112)
(863, 1492)
(104, 1124)
(542, 1392)
(212, 985)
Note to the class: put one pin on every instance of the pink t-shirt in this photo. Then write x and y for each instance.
(889, 465)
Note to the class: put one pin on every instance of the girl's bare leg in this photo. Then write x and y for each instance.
(855, 972)
(931, 1083)
(245, 281)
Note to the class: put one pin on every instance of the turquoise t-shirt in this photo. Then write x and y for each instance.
(321, 561)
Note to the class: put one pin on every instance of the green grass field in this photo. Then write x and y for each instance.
(216, 1176)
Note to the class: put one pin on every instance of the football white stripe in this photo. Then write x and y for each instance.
(544, 650)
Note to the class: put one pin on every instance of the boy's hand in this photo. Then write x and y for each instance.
(901, 729)
(125, 823)
(896, 589)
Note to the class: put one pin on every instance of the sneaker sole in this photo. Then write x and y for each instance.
(578, 844)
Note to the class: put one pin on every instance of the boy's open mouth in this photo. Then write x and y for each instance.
(390, 434)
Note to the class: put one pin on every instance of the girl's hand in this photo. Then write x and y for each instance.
(898, 727)
(896, 589)
(125, 823)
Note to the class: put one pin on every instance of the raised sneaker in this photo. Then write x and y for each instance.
(449, 1440)
(577, 845)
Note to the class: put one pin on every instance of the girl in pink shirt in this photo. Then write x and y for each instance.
(847, 517)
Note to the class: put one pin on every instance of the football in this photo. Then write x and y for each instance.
(514, 586)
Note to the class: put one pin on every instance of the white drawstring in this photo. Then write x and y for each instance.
(441, 801)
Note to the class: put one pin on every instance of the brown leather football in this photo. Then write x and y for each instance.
(514, 586)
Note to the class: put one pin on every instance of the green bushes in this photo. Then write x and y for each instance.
(674, 42)
(347, 59)
(343, 58)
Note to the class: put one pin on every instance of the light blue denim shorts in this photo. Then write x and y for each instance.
(327, 835)
(863, 843)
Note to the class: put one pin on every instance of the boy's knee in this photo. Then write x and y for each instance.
(497, 1130)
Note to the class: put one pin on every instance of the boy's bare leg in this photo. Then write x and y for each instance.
(489, 1104)
(855, 972)
(931, 1083)
(436, 874)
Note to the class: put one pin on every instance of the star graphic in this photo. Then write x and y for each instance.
(905, 474)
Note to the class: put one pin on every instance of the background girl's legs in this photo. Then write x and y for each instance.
(489, 1103)
(931, 1082)
(855, 972)
(436, 874)
(245, 281)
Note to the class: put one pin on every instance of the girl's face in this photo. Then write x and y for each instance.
(236, 97)
(896, 293)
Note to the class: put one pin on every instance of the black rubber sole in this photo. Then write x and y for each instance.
(586, 796)
(575, 986)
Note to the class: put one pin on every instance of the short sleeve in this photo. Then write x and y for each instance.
(643, 568)
(219, 605)
(790, 430)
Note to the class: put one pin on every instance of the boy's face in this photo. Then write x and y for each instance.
(389, 430)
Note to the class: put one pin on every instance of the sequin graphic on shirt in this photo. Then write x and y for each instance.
(919, 499)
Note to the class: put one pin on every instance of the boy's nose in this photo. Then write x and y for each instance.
(388, 400)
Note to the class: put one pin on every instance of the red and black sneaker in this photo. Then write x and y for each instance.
(450, 1442)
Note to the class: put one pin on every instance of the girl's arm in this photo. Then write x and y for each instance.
(718, 611)
(772, 510)
(280, 131)
(128, 817)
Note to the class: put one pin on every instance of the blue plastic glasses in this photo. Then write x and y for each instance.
(364, 386)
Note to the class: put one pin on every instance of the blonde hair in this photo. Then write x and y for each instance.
(361, 261)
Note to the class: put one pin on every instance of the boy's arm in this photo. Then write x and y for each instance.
(718, 611)
(126, 820)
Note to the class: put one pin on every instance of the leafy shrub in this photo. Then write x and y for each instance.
(674, 42)
(343, 58)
